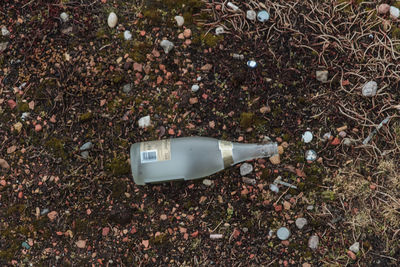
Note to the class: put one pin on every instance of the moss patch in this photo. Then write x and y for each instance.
(119, 166)
(56, 146)
(246, 119)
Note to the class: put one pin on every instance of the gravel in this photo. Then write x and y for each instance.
(301, 222)
(245, 169)
(283, 233)
(321, 75)
(313, 242)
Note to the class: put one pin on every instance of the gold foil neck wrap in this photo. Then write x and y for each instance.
(226, 152)
(163, 148)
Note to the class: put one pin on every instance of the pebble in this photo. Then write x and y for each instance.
(233, 6)
(262, 16)
(274, 188)
(251, 64)
(310, 155)
(245, 229)
(4, 164)
(86, 146)
(249, 181)
(187, 33)
(127, 88)
(310, 207)
(313, 242)
(25, 245)
(327, 136)
(24, 116)
(38, 127)
(195, 88)
(207, 182)
(216, 236)
(251, 15)
(301, 222)
(167, 46)
(3, 46)
(347, 142)
(18, 127)
(127, 35)
(383, 8)
(5, 31)
(265, 109)
(342, 134)
(245, 169)
(64, 17)
(44, 211)
(80, 243)
(144, 121)
(179, 20)
(85, 154)
(283, 233)
(321, 75)
(369, 89)
(275, 159)
(355, 247)
(307, 137)
(238, 56)
(112, 20)
(219, 30)
(394, 12)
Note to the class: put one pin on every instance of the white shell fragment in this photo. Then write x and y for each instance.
(307, 137)
(144, 122)
(167, 46)
(283, 233)
(179, 20)
(233, 6)
(262, 16)
(64, 17)
(369, 89)
(127, 35)
(112, 20)
(251, 15)
(219, 30)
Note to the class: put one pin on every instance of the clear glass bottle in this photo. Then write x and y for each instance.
(188, 158)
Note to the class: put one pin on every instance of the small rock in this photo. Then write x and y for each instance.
(137, 67)
(251, 64)
(167, 46)
(301, 222)
(313, 242)
(179, 20)
(144, 122)
(245, 229)
(369, 89)
(327, 136)
(25, 245)
(275, 159)
(232, 6)
(245, 169)
(321, 75)
(64, 17)
(4, 164)
(249, 181)
(274, 188)
(342, 134)
(251, 15)
(80, 243)
(85, 154)
(216, 236)
(3, 46)
(207, 182)
(383, 9)
(347, 141)
(105, 231)
(5, 31)
(206, 67)
(127, 88)
(25, 115)
(307, 137)
(265, 109)
(86, 146)
(310, 155)
(355, 247)
(310, 207)
(219, 30)
(262, 16)
(44, 211)
(52, 215)
(351, 255)
(112, 20)
(127, 35)
(280, 150)
(283, 233)
(38, 127)
(238, 56)
(187, 33)
(195, 88)
(18, 127)
(394, 12)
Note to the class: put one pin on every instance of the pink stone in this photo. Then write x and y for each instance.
(383, 8)
(38, 127)
(187, 33)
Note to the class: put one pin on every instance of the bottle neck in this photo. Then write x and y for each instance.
(242, 152)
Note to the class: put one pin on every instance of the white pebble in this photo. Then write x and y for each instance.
(369, 89)
(274, 188)
(307, 137)
(251, 15)
(313, 242)
(219, 30)
(245, 169)
(179, 20)
(394, 12)
(195, 88)
(233, 6)
(355, 247)
(301, 222)
(4, 31)
(64, 17)
(207, 182)
(283, 233)
(327, 136)
(167, 46)
(144, 122)
(127, 35)
(216, 236)
(112, 20)
(321, 75)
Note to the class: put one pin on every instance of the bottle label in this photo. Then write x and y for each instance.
(153, 151)
(226, 152)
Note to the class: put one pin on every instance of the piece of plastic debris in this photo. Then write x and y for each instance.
(195, 88)
(394, 12)
(219, 30)
(283, 233)
(274, 188)
(216, 236)
(251, 15)
(262, 16)
(301, 222)
(369, 89)
(167, 46)
(279, 181)
(251, 64)
(127, 35)
(25, 245)
(144, 122)
(245, 169)
(366, 140)
(307, 137)
(310, 155)
(232, 6)
(179, 20)
(112, 20)
(64, 17)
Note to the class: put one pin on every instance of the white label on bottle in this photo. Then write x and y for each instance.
(153, 151)
(148, 156)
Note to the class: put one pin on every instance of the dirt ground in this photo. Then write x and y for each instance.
(66, 83)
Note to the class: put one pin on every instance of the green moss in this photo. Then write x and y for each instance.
(118, 189)
(267, 176)
(153, 15)
(328, 195)
(86, 116)
(8, 253)
(23, 107)
(208, 39)
(81, 226)
(57, 147)
(158, 240)
(137, 50)
(396, 33)
(119, 166)
(101, 34)
(16, 209)
(246, 119)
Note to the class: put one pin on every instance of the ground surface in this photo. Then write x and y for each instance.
(58, 208)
